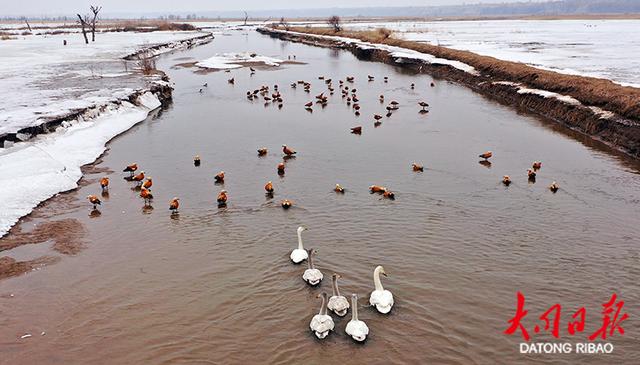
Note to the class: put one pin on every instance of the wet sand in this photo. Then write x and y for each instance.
(216, 286)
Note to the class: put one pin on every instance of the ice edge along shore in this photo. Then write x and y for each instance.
(34, 171)
(602, 125)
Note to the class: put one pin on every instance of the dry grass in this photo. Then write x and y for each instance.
(147, 65)
(589, 90)
(151, 25)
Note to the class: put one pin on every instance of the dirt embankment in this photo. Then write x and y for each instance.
(615, 122)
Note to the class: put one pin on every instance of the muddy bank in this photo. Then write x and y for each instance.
(598, 108)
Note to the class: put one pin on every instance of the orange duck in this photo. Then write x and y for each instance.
(338, 189)
(173, 205)
(531, 174)
(104, 183)
(138, 178)
(389, 195)
(146, 195)
(131, 168)
(487, 155)
(281, 168)
(377, 189)
(288, 151)
(417, 168)
(219, 177)
(94, 200)
(262, 151)
(286, 204)
(356, 130)
(554, 187)
(222, 198)
(536, 165)
(148, 184)
(506, 180)
(269, 187)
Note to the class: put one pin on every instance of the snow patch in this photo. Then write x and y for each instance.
(400, 53)
(34, 171)
(237, 60)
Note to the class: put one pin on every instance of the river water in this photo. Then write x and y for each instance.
(216, 285)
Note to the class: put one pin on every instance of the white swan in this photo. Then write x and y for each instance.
(337, 303)
(380, 298)
(357, 329)
(299, 254)
(312, 275)
(322, 323)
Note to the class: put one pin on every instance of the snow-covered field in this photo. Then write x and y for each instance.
(599, 48)
(40, 78)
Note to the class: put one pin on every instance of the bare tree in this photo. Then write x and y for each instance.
(84, 23)
(335, 22)
(246, 16)
(95, 10)
(27, 21)
(284, 24)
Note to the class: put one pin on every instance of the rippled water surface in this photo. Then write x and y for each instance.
(215, 285)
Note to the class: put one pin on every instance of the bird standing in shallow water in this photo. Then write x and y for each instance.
(506, 180)
(288, 151)
(104, 183)
(94, 200)
(356, 130)
(196, 161)
(554, 187)
(417, 168)
(531, 175)
(146, 195)
(148, 184)
(174, 204)
(262, 151)
(131, 168)
(487, 155)
(281, 168)
(138, 178)
(338, 189)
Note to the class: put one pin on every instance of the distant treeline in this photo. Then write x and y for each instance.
(529, 8)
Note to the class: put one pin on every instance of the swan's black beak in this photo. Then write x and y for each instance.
(385, 274)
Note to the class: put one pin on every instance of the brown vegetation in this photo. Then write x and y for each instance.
(150, 26)
(605, 94)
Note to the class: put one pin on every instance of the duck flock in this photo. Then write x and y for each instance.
(322, 323)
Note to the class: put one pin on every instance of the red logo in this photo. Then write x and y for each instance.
(612, 318)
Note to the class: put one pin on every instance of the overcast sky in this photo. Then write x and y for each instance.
(52, 7)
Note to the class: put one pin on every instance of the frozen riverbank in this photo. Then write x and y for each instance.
(56, 80)
(66, 111)
(598, 108)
